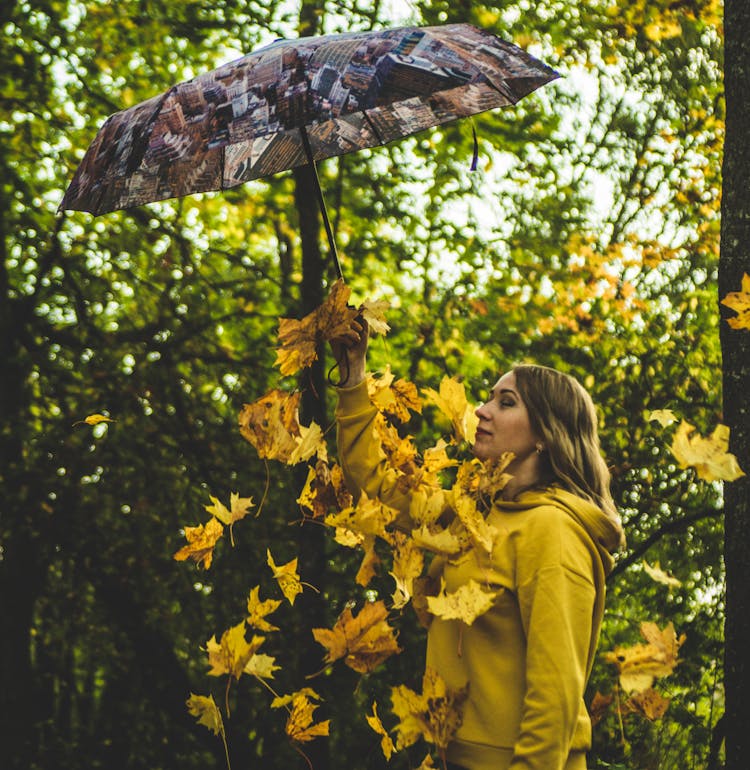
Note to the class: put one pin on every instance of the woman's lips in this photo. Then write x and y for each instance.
(482, 432)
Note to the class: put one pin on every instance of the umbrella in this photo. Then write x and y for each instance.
(296, 102)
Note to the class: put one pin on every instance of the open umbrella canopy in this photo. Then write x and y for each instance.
(294, 102)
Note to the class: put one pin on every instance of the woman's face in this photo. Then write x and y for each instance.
(504, 424)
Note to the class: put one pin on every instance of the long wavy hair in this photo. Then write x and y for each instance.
(563, 415)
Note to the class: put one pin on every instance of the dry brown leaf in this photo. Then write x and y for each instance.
(271, 424)
(434, 715)
(364, 641)
(299, 340)
(599, 707)
(649, 703)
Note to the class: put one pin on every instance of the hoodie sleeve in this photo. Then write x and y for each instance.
(362, 459)
(557, 598)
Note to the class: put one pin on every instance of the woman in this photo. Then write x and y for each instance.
(528, 658)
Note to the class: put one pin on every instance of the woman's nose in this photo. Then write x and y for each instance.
(479, 411)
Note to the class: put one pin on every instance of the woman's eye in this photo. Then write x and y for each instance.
(507, 402)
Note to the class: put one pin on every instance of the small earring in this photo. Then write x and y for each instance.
(539, 448)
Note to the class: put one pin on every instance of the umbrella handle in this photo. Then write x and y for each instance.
(321, 201)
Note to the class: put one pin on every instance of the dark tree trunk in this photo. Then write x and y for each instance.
(733, 264)
(311, 541)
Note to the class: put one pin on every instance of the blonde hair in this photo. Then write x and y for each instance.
(563, 416)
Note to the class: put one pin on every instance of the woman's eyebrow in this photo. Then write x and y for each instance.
(507, 390)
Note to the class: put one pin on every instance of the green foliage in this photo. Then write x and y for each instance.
(587, 240)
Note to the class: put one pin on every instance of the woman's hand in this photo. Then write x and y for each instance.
(350, 352)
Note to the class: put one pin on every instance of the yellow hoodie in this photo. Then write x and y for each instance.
(528, 658)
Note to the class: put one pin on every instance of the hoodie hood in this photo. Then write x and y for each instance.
(600, 528)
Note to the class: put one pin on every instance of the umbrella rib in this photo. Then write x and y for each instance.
(373, 128)
(321, 200)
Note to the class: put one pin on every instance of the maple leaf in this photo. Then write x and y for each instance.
(395, 398)
(466, 603)
(257, 610)
(373, 311)
(286, 576)
(657, 574)
(201, 542)
(239, 508)
(232, 653)
(400, 452)
(368, 568)
(599, 706)
(444, 540)
(368, 517)
(300, 725)
(739, 301)
(310, 442)
(665, 417)
(433, 715)
(300, 339)
(649, 703)
(408, 561)
(640, 664)
(482, 534)
(325, 489)
(451, 401)
(364, 641)
(204, 707)
(386, 744)
(709, 456)
(428, 505)
(271, 425)
(261, 665)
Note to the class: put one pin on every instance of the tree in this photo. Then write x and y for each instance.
(735, 344)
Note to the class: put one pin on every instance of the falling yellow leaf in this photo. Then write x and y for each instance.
(386, 744)
(232, 653)
(204, 707)
(261, 665)
(370, 562)
(408, 561)
(482, 534)
(299, 725)
(310, 442)
(239, 508)
(437, 539)
(286, 576)
(368, 517)
(466, 603)
(640, 664)
(324, 490)
(95, 419)
(657, 574)
(394, 397)
(709, 456)
(364, 641)
(433, 715)
(740, 302)
(451, 401)
(257, 611)
(665, 417)
(373, 311)
(201, 542)
(271, 424)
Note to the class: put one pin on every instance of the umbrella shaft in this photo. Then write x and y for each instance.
(321, 201)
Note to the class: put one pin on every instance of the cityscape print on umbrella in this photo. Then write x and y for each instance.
(243, 120)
